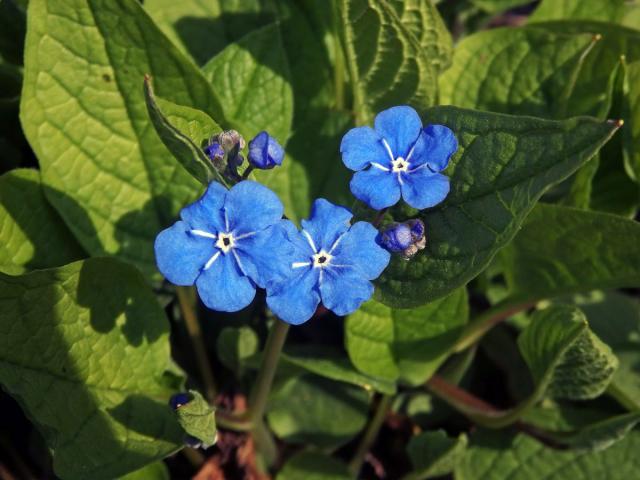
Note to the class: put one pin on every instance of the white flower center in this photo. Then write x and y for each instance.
(399, 165)
(321, 259)
(225, 242)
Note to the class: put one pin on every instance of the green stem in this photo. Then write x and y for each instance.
(185, 299)
(338, 59)
(247, 172)
(478, 327)
(262, 387)
(370, 435)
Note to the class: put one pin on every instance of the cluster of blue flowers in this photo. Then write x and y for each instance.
(230, 242)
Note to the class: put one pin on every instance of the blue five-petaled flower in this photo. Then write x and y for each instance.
(227, 243)
(333, 263)
(397, 158)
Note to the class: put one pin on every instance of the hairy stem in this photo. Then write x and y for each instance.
(478, 327)
(370, 434)
(262, 387)
(185, 298)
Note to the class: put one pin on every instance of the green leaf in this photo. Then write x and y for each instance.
(316, 411)
(84, 114)
(153, 471)
(253, 73)
(562, 250)
(385, 59)
(84, 348)
(197, 418)
(332, 364)
(516, 70)
(496, 6)
(433, 454)
(616, 319)
(606, 11)
(310, 465)
(600, 435)
(405, 345)
(235, 345)
(567, 360)
(422, 19)
(201, 28)
(501, 456)
(184, 131)
(33, 235)
(503, 165)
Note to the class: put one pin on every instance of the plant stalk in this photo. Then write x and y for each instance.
(370, 435)
(195, 334)
(260, 393)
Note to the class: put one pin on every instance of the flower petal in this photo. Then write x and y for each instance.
(344, 289)
(267, 256)
(361, 146)
(435, 147)
(423, 189)
(358, 248)
(223, 287)
(251, 207)
(400, 127)
(180, 256)
(326, 223)
(296, 300)
(206, 212)
(376, 188)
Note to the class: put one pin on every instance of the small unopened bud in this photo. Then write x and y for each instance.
(396, 238)
(265, 152)
(215, 152)
(405, 238)
(179, 399)
(231, 139)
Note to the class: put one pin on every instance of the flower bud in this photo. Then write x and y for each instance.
(406, 238)
(231, 139)
(396, 238)
(215, 152)
(265, 152)
(179, 399)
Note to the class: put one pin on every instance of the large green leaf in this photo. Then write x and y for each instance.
(83, 351)
(616, 319)
(316, 411)
(33, 235)
(502, 456)
(422, 19)
(503, 165)
(405, 345)
(253, 73)
(515, 70)
(495, 6)
(330, 363)
(83, 111)
(604, 10)
(385, 59)
(201, 28)
(567, 360)
(631, 111)
(563, 250)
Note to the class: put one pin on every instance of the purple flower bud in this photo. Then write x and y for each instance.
(191, 441)
(215, 152)
(396, 238)
(231, 139)
(265, 152)
(417, 229)
(179, 399)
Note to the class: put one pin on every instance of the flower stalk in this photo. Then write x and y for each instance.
(185, 299)
(370, 435)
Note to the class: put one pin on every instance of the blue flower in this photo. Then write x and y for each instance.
(333, 263)
(227, 243)
(265, 152)
(399, 157)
